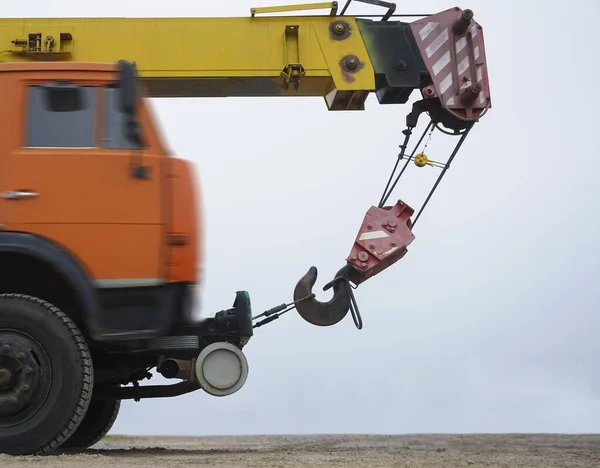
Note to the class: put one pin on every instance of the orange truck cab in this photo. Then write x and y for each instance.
(100, 231)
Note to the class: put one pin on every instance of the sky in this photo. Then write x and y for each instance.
(489, 324)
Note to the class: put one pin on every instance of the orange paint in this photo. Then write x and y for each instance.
(182, 259)
(119, 227)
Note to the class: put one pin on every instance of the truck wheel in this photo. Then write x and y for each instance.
(46, 376)
(100, 417)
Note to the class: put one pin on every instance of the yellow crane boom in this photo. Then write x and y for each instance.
(341, 58)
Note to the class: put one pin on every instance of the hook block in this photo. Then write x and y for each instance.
(381, 241)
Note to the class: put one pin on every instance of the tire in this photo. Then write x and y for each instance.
(46, 374)
(100, 417)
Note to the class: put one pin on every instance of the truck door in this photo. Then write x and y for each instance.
(68, 179)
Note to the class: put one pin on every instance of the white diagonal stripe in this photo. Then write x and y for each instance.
(392, 250)
(437, 43)
(463, 65)
(446, 83)
(441, 63)
(481, 98)
(474, 31)
(426, 31)
(479, 74)
(450, 102)
(476, 52)
(461, 44)
(372, 235)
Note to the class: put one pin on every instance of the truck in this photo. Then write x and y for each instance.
(101, 239)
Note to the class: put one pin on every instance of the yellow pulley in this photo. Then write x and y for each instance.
(422, 160)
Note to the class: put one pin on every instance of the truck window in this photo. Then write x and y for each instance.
(116, 137)
(60, 117)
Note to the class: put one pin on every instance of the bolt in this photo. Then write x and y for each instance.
(372, 247)
(25, 388)
(28, 370)
(471, 93)
(363, 264)
(393, 244)
(401, 65)
(354, 257)
(351, 63)
(5, 349)
(20, 355)
(363, 256)
(369, 226)
(339, 29)
(461, 24)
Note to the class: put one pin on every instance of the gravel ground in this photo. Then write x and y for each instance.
(347, 451)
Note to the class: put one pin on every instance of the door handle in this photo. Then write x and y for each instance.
(16, 195)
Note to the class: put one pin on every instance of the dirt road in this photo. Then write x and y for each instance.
(350, 451)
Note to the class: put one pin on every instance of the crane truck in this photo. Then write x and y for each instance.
(101, 227)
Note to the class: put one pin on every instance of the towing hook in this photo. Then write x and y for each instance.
(320, 313)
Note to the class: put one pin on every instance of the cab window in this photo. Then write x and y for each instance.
(116, 131)
(65, 115)
(60, 115)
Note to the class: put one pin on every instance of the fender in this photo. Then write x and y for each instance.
(64, 264)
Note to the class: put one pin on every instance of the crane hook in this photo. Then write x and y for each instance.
(322, 313)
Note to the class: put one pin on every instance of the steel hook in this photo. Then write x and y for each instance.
(322, 313)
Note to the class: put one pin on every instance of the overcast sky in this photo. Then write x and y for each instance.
(489, 324)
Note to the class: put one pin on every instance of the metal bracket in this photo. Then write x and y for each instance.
(332, 6)
(48, 48)
(294, 70)
(390, 6)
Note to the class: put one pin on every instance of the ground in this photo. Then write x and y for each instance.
(347, 451)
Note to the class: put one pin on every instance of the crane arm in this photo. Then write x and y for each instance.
(339, 58)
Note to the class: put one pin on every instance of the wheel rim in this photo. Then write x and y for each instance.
(25, 377)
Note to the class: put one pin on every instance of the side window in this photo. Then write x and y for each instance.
(60, 116)
(116, 129)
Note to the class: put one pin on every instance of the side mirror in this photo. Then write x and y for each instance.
(128, 100)
(128, 104)
(127, 87)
